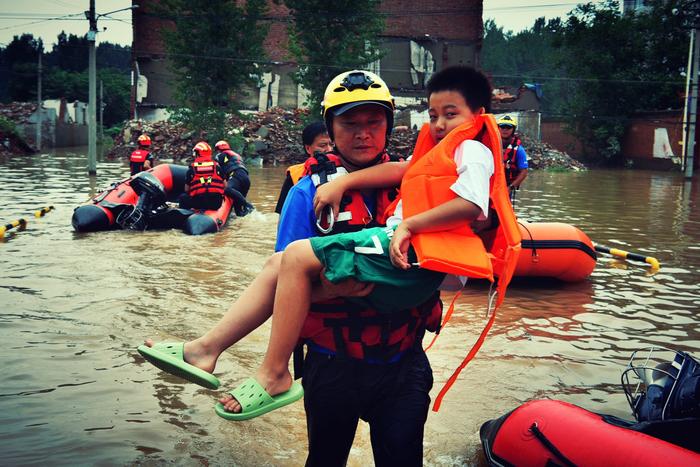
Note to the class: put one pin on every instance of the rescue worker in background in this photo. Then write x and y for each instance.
(142, 158)
(204, 186)
(315, 139)
(236, 176)
(514, 157)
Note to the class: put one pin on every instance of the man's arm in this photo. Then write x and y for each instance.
(384, 175)
(521, 164)
(296, 220)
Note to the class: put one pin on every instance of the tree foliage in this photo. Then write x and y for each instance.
(215, 49)
(599, 66)
(622, 64)
(65, 72)
(327, 38)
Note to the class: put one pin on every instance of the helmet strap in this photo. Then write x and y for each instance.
(354, 166)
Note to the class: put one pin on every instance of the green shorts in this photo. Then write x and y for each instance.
(364, 256)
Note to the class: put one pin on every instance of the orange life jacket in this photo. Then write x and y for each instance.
(295, 172)
(460, 251)
(206, 178)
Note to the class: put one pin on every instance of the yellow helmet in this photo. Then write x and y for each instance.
(507, 121)
(352, 89)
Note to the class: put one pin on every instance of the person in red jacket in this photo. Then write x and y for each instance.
(205, 184)
(142, 158)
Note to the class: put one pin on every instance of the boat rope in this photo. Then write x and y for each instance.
(535, 430)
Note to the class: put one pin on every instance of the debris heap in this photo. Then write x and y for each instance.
(274, 137)
(543, 156)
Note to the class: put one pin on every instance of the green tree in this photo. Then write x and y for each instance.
(215, 47)
(19, 63)
(329, 37)
(528, 56)
(620, 65)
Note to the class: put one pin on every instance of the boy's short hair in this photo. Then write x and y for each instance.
(311, 131)
(470, 83)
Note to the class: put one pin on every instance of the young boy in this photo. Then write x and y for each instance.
(455, 183)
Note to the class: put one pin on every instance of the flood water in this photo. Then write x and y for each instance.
(74, 307)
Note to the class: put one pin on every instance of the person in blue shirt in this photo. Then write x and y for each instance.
(514, 156)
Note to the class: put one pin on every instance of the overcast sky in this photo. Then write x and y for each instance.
(47, 18)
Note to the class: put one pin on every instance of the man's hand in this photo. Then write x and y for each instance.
(398, 248)
(328, 194)
(326, 290)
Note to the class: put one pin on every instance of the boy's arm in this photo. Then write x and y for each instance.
(454, 213)
(378, 176)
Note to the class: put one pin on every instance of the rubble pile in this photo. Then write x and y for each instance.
(274, 137)
(543, 156)
(18, 112)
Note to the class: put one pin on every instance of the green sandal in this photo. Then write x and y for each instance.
(255, 401)
(168, 356)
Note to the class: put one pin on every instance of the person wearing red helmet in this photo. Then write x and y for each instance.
(236, 176)
(204, 188)
(142, 158)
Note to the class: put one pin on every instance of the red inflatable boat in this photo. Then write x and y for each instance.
(115, 207)
(555, 433)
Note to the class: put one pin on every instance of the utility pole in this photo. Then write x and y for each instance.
(38, 103)
(92, 124)
(102, 111)
(691, 119)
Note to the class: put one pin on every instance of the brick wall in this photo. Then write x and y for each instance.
(457, 20)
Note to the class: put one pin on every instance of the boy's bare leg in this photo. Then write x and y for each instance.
(299, 269)
(252, 308)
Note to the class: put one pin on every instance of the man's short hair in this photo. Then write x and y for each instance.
(311, 131)
(470, 83)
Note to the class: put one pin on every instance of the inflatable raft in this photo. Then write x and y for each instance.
(551, 432)
(138, 203)
(555, 250)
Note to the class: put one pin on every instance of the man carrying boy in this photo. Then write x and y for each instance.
(456, 177)
(362, 363)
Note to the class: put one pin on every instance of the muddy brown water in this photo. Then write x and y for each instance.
(74, 390)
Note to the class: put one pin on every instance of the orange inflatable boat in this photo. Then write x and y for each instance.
(555, 250)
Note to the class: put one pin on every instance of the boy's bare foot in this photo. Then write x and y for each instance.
(195, 354)
(273, 384)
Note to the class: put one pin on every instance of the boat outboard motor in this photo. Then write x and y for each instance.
(662, 385)
(151, 197)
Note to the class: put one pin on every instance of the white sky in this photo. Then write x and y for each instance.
(516, 15)
(33, 16)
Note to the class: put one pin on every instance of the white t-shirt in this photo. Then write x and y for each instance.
(474, 170)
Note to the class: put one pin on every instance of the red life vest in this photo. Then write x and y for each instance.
(137, 159)
(139, 156)
(206, 178)
(354, 214)
(510, 164)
